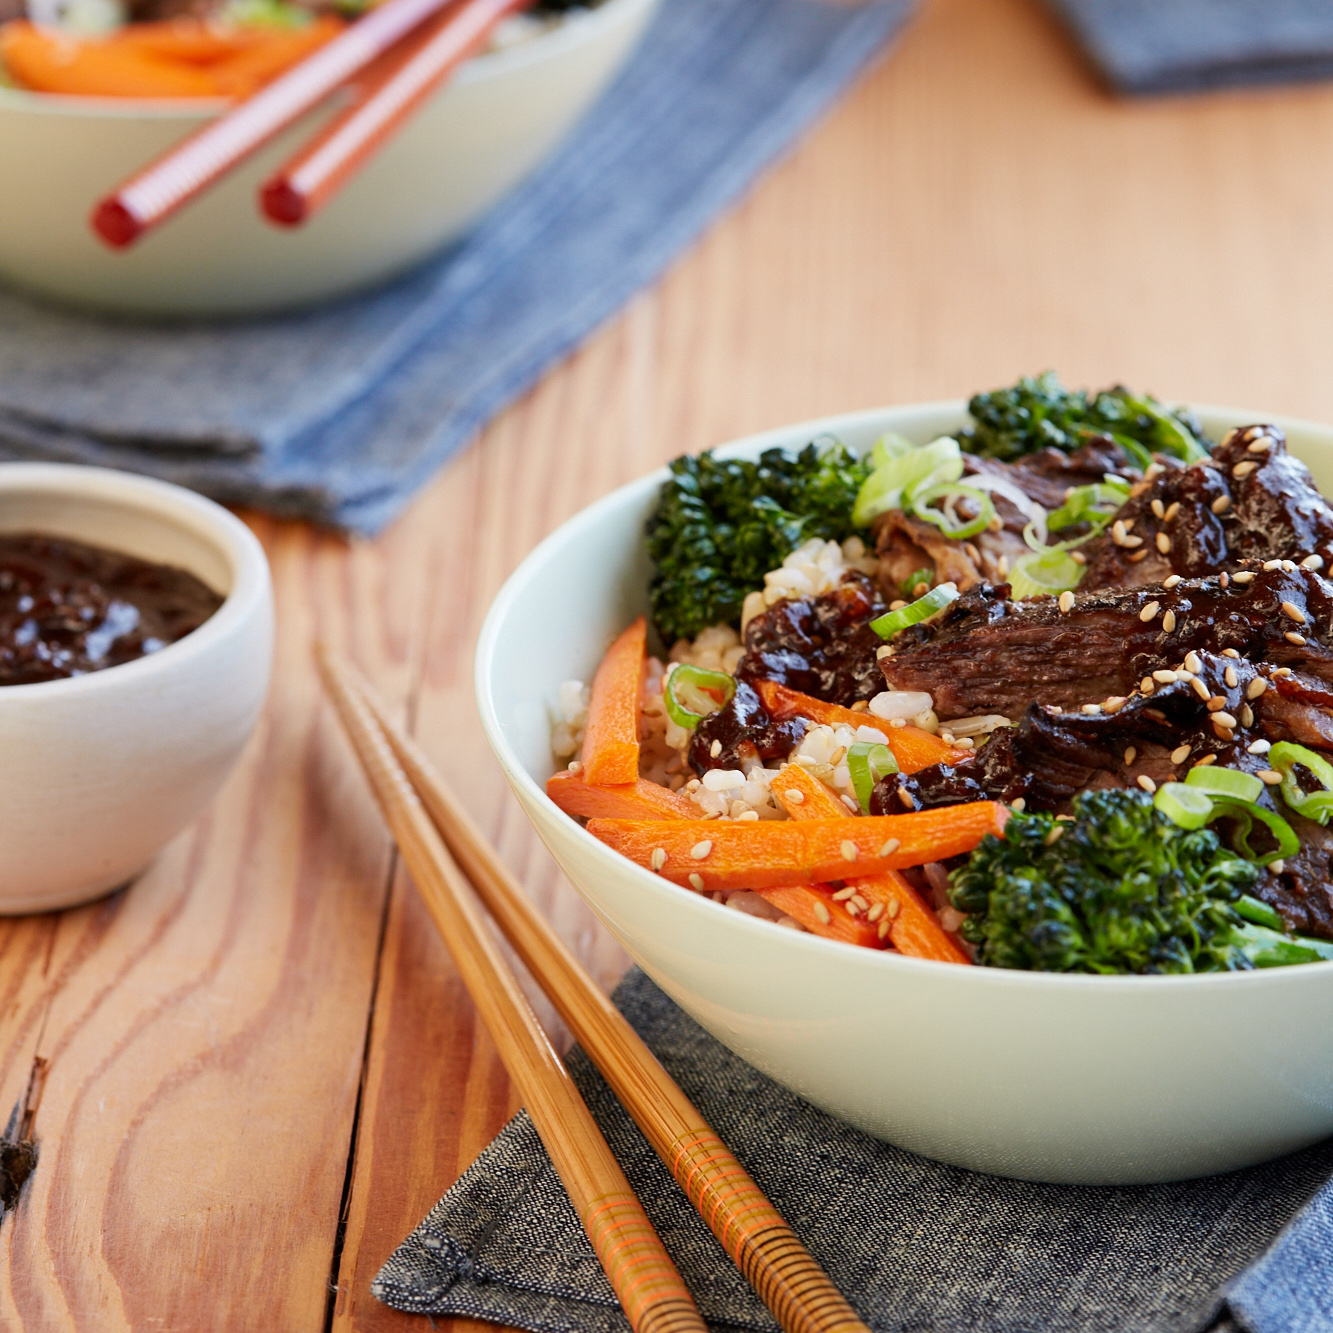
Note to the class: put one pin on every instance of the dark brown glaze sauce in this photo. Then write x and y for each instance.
(67, 608)
(822, 646)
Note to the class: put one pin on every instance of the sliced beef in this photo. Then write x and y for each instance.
(1251, 501)
(985, 654)
(822, 646)
(907, 545)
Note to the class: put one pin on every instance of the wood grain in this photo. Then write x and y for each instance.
(977, 208)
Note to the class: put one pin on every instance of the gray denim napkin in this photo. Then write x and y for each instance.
(340, 414)
(1165, 46)
(913, 1245)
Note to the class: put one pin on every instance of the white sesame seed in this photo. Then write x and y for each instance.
(1256, 687)
(747, 817)
(1150, 611)
(850, 803)
(1172, 510)
(1130, 754)
(1146, 782)
(1055, 835)
(1245, 576)
(1171, 580)
(1292, 637)
(851, 908)
(1243, 469)
(1182, 675)
(848, 850)
(1164, 677)
(1313, 562)
(701, 849)
(1169, 621)
(1216, 702)
(1259, 747)
(1193, 662)
(1154, 471)
(1269, 776)
(1278, 866)
(862, 905)
(1138, 555)
(897, 722)
(1288, 566)
(1230, 652)
(697, 882)
(1221, 504)
(893, 908)
(1078, 557)
(716, 748)
(837, 756)
(1066, 602)
(1115, 703)
(659, 857)
(1260, 446)
(882, 652)
(1229, 675)
(1271, 565)
(1163, 543)
(1091, 708)
(1224, 580)
(796, 796)
(875, 912)
(1200, 688)
(891, 845)
(822, 913)
(1157, 509)
(843, 894)
(1293, 612)
(1206, 760)
(1280, 671)
(1224, 720)
(1180, 754)
(883, 929)
(1246, 715)
(1146, 685)
(1019, 803)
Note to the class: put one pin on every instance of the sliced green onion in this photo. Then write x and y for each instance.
(1260, 913)
(1230, 782)
(1134, 450)
(867, 762)
(1184, 806)
(1284, 757)
(692, 694)
(1096, 505)
(889, 446)
(1267, 948)
(902, 475)
(1050, 570)
(894, 622)
(1245, 813)
(922, 501)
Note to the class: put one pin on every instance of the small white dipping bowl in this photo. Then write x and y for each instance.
(98, 772)
(469, 144)
(1079, 1079)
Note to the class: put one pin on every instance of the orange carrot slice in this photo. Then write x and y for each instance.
(190, 40)
(820, 915)
(611, 737)
(912, 927)
(635, 800)
(913, 748)
(773, 853)
(241, 74)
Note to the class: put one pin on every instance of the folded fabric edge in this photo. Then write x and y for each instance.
(1288, 1286)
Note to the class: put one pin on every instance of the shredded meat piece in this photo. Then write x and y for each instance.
(1237, 507)
(985, 654)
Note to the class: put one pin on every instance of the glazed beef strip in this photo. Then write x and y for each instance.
(822, 646)
(1251, 501)
(1214, 708)
(986, 654)
(906, 545)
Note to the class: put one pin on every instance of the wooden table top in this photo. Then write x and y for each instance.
(260, 1070)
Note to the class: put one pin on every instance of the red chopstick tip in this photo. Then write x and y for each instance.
(115, 224)
(282, 203)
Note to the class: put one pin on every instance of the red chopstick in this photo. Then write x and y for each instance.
(182, 172)
(389, 95)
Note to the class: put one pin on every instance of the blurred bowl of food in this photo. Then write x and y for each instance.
(136, 632)
(489, 126)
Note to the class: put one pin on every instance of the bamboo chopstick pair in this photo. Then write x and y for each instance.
(423, 816)
(389, 62)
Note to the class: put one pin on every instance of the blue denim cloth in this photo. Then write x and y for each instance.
(1165, 46)
(913, 1245)
(340, 414)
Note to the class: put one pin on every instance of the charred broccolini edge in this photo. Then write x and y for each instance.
(720, 525)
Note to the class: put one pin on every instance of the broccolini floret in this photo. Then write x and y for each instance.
(1039, 411)
(1119, 888)
(721, 525)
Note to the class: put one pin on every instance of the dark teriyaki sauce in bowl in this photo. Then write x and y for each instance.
(67, 608)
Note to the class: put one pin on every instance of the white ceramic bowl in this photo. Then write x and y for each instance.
(97, 772)
(1089, 1079)
(465, 148)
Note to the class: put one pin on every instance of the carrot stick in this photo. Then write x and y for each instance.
(191, 40)
(249, 69)
(771, 853)
(913, 928)
(820, 915)
(913, 748)
(635, 800)
(611, 736)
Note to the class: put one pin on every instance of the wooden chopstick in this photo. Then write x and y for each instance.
(645, 1280)
(156, 191)
(786, 1276)
(385, 100)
